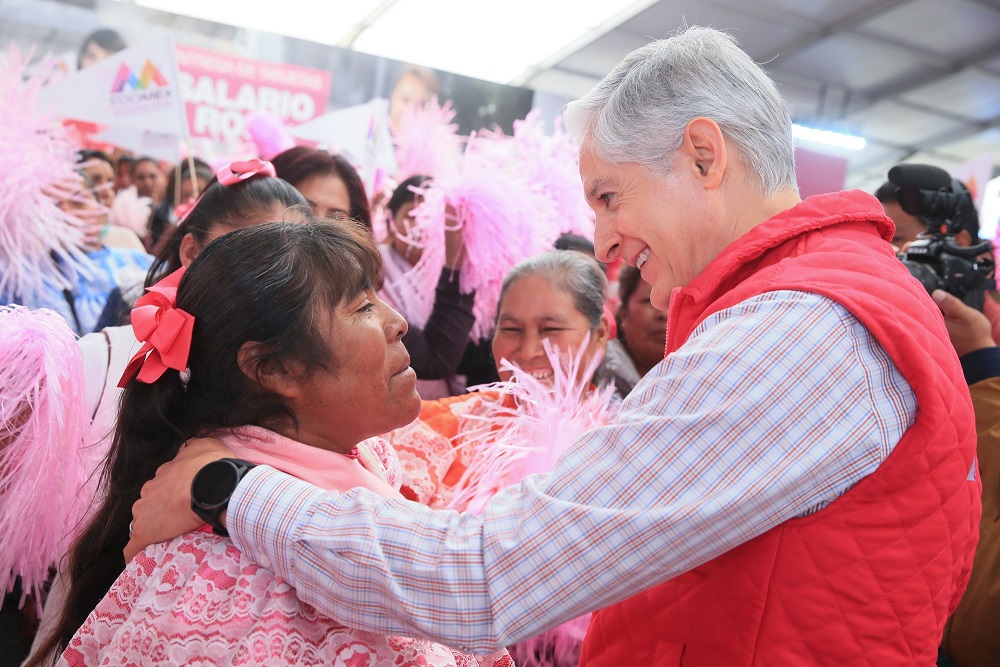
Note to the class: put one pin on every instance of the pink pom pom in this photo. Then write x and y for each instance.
(131, 211)
(530, 425)
(511, 197)
(43, 419)
(38, 241)
(427, 142)
(559, 647)
(552, 164)
(268, 133)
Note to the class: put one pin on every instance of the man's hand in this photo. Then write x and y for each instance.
(968, 329)
(163, 511)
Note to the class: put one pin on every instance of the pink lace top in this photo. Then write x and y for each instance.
(197, 600)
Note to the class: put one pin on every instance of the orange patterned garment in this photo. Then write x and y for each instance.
(430, 453)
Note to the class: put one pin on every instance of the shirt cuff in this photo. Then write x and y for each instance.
(981, 364)
(266, 515)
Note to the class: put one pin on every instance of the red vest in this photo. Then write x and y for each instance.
(871, 578)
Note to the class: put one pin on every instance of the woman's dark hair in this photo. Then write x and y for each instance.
(161, 220)
(299, 164)
(202, 170)
(222, 205)
(144, 158)
(404, 194)
(263, 284)
(888, 193)
(575, 242)
(86, 155)
(107, 39)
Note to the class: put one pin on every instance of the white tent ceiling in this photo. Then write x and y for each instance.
(919, 79)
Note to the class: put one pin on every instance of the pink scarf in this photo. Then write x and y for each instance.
(371, 469)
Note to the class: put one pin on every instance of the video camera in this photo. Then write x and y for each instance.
(945, 206)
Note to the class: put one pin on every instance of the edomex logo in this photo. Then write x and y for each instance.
(137, 94)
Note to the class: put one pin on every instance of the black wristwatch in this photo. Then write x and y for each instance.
(212, 488)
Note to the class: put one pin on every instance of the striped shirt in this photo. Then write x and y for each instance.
(772, 408)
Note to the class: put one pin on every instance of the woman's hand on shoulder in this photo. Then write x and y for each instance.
(163, 510)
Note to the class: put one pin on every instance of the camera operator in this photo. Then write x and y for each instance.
(967, 237)
(908, 227)
(937, 230)
(971, 637)
(950, 260)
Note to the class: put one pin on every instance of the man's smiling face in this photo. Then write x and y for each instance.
(659, 224)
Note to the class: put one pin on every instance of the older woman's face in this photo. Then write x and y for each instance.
(371, 389)
(533, 310)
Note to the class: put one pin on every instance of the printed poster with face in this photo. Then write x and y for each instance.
(225, 75)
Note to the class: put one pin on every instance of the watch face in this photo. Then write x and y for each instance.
(214, 484)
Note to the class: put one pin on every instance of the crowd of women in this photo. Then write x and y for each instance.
(279, 307)
(793, 479)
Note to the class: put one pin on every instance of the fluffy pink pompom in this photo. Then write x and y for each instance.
(43, 419)
(38, 241)
(131, 211)
(559, 647)
(530, 425)
(503, 217)
(427, 142)
(412, 290)
(511, 197)
(522, 432)
(268, 133)
(551, 163)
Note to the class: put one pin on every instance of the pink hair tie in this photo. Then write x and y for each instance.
(234, 172)
(165, 331)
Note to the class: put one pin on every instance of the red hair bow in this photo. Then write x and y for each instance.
(234, 172)
(164, 329)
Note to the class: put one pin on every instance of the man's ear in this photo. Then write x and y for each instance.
(188, 250)
(269, 373)
(706, 150)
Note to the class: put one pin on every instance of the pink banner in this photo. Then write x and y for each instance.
(219, 90)
(819, 173)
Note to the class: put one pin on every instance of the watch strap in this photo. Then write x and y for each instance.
(210, 512)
